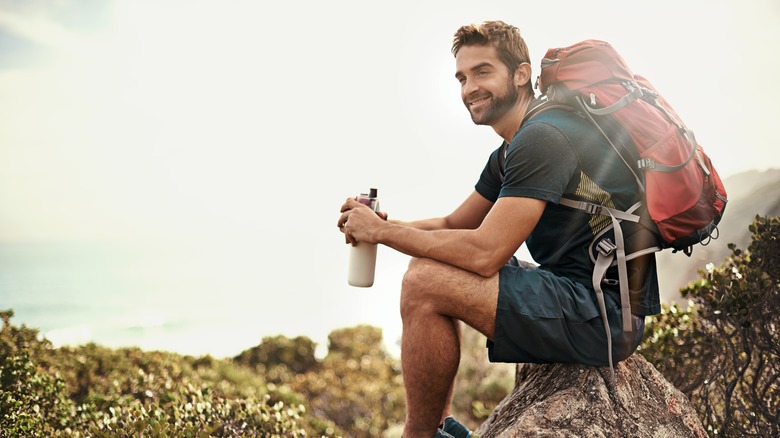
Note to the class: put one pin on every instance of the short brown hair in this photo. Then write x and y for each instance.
(506, 38)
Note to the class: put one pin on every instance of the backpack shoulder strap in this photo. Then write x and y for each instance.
(542, 104)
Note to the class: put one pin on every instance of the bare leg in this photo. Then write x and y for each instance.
(434, 297)
(448, 403)
(430, 354)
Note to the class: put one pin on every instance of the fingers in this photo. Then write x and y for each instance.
(349, 204)
(343, 220)
(346, 210)
(342, 225)
(349, 239)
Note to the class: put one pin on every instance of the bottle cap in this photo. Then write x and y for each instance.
(372, 193)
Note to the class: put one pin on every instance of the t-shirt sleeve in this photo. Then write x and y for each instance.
(540, 162)
(489, 184)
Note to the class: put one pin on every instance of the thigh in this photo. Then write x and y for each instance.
(453, 292)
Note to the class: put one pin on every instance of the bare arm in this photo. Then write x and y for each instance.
(468, 215)
(482, 250)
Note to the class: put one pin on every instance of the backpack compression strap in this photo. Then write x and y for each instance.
(608, 253)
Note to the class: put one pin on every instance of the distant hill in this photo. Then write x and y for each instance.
(749, 193)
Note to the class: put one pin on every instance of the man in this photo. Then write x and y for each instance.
(459, 270)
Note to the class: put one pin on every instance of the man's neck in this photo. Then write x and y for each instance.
(507, 127)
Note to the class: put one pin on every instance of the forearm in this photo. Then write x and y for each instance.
(461, 248)
(438, 223)
(468, 216)
(482, 249)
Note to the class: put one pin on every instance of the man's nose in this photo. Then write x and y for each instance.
(469, 87)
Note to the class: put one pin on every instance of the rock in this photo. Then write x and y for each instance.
(570, 400)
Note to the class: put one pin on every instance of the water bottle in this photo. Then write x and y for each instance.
(362, 257)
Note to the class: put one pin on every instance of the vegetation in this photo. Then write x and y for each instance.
(277, 388)
(723, 352)
(357, 385)
(95, 391)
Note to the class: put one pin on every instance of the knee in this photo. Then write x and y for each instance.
(416, 287)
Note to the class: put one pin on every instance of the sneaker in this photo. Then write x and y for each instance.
(456, 429)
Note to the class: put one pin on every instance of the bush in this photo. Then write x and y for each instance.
(96, 391)
(296, 354)
(32, 403)
(358, 385)
(90, 390)
(196, 413)
(724, 351)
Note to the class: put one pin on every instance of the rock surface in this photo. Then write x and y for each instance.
(569, 400)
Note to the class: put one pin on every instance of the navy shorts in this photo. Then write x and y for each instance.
(545, 318)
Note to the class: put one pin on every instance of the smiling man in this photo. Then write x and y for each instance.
(463, 266)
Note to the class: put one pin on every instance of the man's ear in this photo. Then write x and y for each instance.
(522, 74)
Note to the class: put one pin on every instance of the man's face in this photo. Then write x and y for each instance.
(486, 87)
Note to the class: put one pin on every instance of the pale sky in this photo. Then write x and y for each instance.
(241, 127)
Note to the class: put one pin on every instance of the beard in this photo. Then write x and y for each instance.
(501, 105)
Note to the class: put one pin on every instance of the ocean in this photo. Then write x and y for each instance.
(118, 296)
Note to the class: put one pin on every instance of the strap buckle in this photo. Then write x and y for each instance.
(592, 208)
(646, 163)
(606, 247)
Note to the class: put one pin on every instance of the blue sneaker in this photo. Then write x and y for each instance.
(456, 429)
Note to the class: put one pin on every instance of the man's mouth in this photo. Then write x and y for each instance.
(479, 100)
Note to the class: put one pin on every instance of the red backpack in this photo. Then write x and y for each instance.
(684, 196)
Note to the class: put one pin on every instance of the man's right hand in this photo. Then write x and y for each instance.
(358, 222)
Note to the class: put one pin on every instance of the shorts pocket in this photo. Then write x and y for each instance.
(581, 305)
(540, 294)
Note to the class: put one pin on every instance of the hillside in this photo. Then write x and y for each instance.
(749, 193)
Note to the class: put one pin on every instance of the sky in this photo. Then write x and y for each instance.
(237, 128)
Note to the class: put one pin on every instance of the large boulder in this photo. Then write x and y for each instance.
(569, 400)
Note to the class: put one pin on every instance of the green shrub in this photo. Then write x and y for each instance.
(724, 351)
(198, 413)
(296, 354)
(358, 385)
(96, 391)
(32, 403)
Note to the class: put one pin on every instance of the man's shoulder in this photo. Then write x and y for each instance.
(556, 125)
(557, 116)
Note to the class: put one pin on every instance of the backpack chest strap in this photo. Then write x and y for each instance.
(591, 208)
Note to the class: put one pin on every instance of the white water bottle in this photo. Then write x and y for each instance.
(362, 257)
